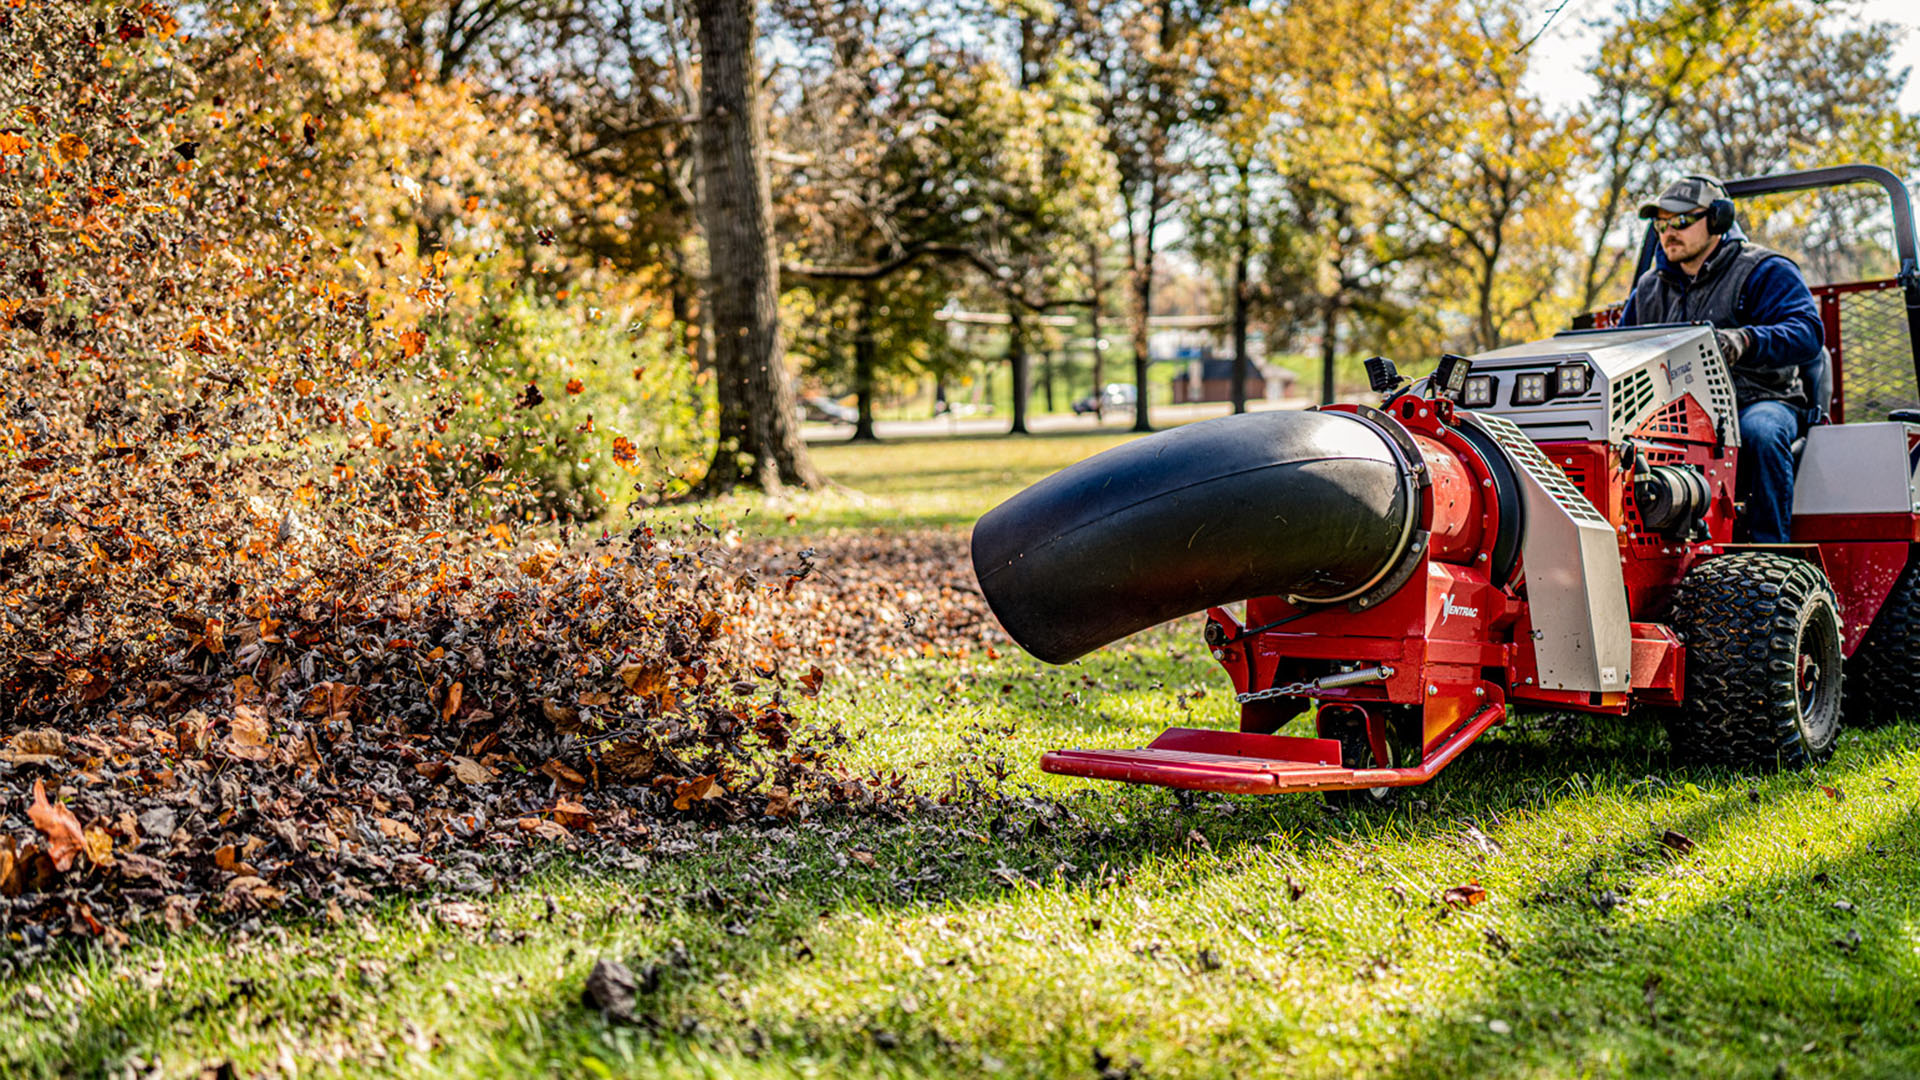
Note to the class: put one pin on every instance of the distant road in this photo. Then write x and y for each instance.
(1116, 422)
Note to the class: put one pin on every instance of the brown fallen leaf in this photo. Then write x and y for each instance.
(861, 856)
(461, 913)
(65, 838)
(779, 803)
(645, 679)
(629, 759)
(452, 703)
(564, 775)
(1295, 890)
(564, 718)
(468, 771)
(99, 846)
(685, 795)
(572, 814)
(1834, 793)
(1465, 895)
(247, 892)
(396, 830)
(229, 858)
(41, 746)
(545, 829)
(1677, 842)
(247, 734)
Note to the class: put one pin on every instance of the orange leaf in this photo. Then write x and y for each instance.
(647, 680)
(574, 386)
(572, 814)
(452, 704)
(247, 734)
(412, 342)
(1466, 895)
(65, 838)
(99, 846)
(70, 147)
(563, 774)
(700, 787)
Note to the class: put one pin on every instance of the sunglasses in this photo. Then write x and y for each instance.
(1677, 221)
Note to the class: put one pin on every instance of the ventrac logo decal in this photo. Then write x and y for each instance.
(1448, 608)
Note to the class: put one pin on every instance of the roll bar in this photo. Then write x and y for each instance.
(1835, 176)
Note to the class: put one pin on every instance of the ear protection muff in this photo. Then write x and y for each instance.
(1719, 211)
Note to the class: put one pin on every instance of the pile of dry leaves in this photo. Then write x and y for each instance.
(274, 632)
(307, 750)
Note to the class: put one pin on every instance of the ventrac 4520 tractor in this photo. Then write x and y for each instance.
(1550, 525)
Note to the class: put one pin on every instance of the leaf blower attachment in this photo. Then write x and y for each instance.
(1313, 506)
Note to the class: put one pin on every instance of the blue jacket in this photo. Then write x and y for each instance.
(1775, 307)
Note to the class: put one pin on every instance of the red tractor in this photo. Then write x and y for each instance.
(1550, 525)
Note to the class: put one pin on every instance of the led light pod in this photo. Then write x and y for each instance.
(1530, 388)
(1571, 380)
(1479, 391)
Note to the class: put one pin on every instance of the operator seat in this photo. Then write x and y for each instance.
(1817, 376)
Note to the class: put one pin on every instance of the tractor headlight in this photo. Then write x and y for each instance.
(1479, 392)
(1530, 388)
(1570, 380)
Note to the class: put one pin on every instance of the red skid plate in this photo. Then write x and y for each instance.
(1247, 764)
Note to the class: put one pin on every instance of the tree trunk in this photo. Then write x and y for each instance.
(1329, 347)
(1017, 357)
(1093, 329)
(759, 438)
(1143, 310)
(1243, 241)
(1046, 379)
(863, 363)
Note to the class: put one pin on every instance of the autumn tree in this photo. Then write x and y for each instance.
(917, 155)
(1736, 88)
(1432, 108)
(1328, 248)
(1145, 58)
(759, 437)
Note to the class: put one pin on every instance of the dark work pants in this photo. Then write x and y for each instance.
(1767, 431)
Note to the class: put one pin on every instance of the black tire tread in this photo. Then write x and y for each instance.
(1883, 674)
(1740, 616)
(1354, 747)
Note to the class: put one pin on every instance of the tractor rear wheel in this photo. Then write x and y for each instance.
(1763, 662)
(1349, 725)
(1883, 674)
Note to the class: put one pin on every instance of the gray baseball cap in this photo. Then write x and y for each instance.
(1684, 194)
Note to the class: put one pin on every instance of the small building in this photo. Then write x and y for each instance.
(1210, 378)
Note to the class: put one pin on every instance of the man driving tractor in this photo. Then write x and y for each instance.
(1766, 323)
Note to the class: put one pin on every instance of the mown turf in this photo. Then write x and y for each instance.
(913, 483)
(1061, 928)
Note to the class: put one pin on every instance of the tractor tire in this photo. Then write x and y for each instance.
(1763, 663)
(1350, 729)
(1883, 674)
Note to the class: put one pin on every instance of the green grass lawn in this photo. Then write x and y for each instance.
(903, 483)
(1102, 930)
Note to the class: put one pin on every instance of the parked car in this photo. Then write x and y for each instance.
(1113, 396)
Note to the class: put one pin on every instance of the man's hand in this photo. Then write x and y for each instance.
(1733, 344)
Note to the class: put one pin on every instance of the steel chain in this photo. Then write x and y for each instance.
(1286, 690)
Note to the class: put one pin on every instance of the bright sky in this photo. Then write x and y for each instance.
(1563, 52)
